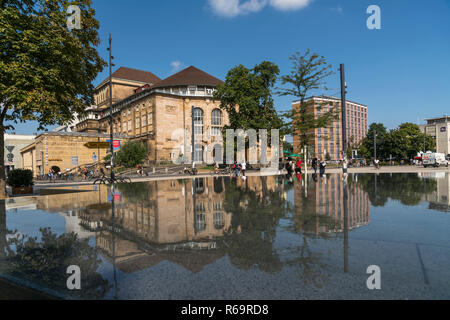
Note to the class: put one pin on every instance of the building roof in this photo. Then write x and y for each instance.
(125, 73)
(329, 98)
(136, 75)
(444, 117)
(189, 76)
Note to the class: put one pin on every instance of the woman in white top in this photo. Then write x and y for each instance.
(243, 168)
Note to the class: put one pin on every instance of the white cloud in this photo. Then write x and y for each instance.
(285, 5)
(176, 65)
(232, 8)
(338, 9)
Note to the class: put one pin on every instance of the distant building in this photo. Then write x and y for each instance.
(13, 144)
(328, 141)
(439, 129)
(152, 111)
(145, 109)
(63, 150)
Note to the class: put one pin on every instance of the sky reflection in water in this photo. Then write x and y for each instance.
(222, 238)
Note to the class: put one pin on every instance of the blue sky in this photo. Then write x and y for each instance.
(402, 71)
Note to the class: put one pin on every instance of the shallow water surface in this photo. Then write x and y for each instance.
(272, 237)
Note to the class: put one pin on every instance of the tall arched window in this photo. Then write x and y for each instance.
(198, 154)
(216, 122)
(198, 121)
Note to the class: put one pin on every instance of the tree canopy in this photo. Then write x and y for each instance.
(46, 70)
(308, 72)
(402, 143)
(246, 95)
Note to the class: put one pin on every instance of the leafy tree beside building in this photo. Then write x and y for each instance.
(246, 95)
(308, 73)
(131, 154)
(402, 143)
(47, 70)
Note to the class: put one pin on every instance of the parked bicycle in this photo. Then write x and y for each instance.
(107, 180)
(189, 171)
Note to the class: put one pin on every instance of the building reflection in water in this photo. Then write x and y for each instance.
(322, 211)
(194, 222)
(438, 197)
(176, 220)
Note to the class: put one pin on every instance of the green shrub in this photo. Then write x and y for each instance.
(20, 178)
(131, 154)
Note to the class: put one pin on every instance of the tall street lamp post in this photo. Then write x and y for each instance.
(111, 135)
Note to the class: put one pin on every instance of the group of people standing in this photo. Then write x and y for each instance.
(322, 165)
(239, 168)
(292, 166)
(296, 166)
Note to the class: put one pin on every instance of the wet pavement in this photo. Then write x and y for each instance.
(274, 237)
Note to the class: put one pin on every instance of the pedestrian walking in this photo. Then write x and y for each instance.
(298, 166)
(314, 165)
(236, 169)
(322, 166)
(216, 168)
(243, 168)
(344, 166)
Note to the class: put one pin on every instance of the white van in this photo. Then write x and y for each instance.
(434, 159)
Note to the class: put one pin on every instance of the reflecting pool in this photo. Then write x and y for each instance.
(273, 237)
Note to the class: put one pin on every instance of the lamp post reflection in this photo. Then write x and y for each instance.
(344, 178)
(113, 238)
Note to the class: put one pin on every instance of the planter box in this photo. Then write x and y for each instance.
(22, 190)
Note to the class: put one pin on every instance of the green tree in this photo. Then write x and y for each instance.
(366, 148)
(407, 140)
(46, 69)
(308, 73)
(131, 154)
(246, 95)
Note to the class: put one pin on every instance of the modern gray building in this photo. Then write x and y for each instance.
(439, 129)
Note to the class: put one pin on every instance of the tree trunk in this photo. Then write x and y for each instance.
(3, 241)
(3, 193)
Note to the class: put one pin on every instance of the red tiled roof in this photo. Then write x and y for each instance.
(189, 76)
(136, 75)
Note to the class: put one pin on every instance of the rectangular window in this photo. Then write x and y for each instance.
(144, 121)
(198, 129)
(215, 131)
(138, 122)
(125, 126)
(129, 125)
(150, 118)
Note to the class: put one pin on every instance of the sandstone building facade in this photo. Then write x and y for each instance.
(62, 150)
(159, 113)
